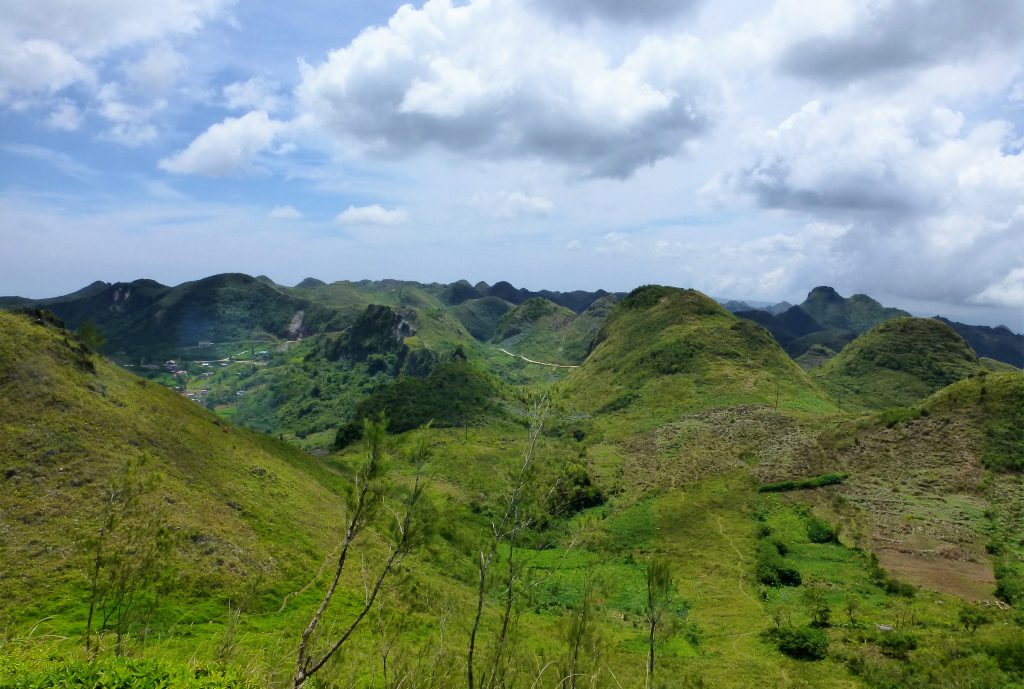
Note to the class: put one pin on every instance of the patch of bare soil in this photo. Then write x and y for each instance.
(971, 580)
(919, 487)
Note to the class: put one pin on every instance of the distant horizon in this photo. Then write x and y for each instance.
(745, 148)
(753, 301)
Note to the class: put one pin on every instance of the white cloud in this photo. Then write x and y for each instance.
(623, 11)
(892, 35)
(253, 94)
(130, 122)
(924, 195)
(38, 66)
(495, 79)
(48, 45)
(506, 205)
(286, 213)
(372, 215)
(158, 70)
(228, 147)
(1008, 291)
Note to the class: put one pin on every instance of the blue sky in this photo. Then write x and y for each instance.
(748, 149)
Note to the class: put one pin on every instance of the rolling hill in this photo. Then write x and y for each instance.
(897, 364)
(668, 350)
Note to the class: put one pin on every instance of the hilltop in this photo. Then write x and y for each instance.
(897, 364)
(663, 348)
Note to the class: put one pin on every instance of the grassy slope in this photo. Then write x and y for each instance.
(897, 363)
(681, 461)
(664, 352)
(239, 502)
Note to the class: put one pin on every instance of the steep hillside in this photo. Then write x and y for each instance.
(239, 505)
(668, 350)
(897, 364)
(316, 385)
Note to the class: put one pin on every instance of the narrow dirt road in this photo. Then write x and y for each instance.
(531, 361)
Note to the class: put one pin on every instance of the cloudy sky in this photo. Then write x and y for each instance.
(748, 149)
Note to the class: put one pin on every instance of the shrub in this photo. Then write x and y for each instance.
(770, 568)
(829, 479)
(820, 531)
(802, 643)
(896, 644)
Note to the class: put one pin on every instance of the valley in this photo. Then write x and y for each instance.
(834, 489)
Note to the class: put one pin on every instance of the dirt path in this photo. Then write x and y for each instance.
(531, 361)
(740, 560)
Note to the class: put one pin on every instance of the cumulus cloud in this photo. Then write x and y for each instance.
(506, 205)
(38, 66)
(157, 70)
(286, 213)
(49, 45)
(228, 147)
(434, 78)
(372, 215)
(923, 195)
(868, 39)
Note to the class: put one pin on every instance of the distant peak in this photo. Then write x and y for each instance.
(310, 283)
(825, 293)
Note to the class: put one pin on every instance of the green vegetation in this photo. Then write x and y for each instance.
(896, 364)
(829, 479)
(687, 508)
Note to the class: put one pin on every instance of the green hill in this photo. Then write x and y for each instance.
(897, 364)
(240, 507)
(669, 350)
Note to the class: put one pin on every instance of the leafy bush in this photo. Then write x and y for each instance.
(770, 568)
(896, 644)
(1008, 651)
(672, 357)
(574, 491)
(802, 643)
(619, 403)
(820, 531)
(829, 479)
